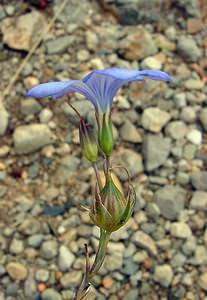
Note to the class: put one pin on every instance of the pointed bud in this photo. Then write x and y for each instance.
(106, 139)
(111, 210)
(88, 141)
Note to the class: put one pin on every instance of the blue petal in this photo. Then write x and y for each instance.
(62, 88)
(155, 75)
(116, 73)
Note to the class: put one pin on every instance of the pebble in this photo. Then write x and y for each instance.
(65, 258)
(71, 279)
(4, 119)
(188, 114)
(151, 62)
(194, 136)
(29, 138)
(199, 180)
(49, 249)
(203, 281)
(145, 241)
(16, 271)
(180, 230)
(59, 45)
(42, 275)
(30, 106)
(154, 119)
(170, 200)
(194, 84)
(176, 130)
(45, 115)
(50, 294)
(163, 274)
(16, 246)
(203, 118)
(156, 150)
(129, 133)
(199, 201)
(188, 49)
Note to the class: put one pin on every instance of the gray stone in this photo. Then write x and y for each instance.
(4, 119)
(203, 118)
(42, 275)
(145, 241)
(188, 114)
(29, 138)
(155, 150)
(68, 165)
(178, 260)
(170, 201)
(180, 230)
(71, 279)
(163, 275)
(16, 246)
(188, 49)
(59, 45)
(30, 106)
(129, 133)
(182, 178)
(45, 115)
(200, 257)
(199, 201)
(194, 84)
(154, 119)
(83, 106)
(49, 249)
(131, 295)
(199, 180)
(30, 288)
(176, 130)
(51, 294)
(131, 160)
(65, 258)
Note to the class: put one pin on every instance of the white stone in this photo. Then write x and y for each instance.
(151, 63)
(194, 136)
(154, 119)
(180, 230)
(163, 275)
(65, 258)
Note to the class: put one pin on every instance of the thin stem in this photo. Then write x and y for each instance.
(75, 110)
(100, 255)
(98, 178)
(107, 165)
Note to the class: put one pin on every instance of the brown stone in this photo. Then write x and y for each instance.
(194, 25)
(108, 282)
(16, 271)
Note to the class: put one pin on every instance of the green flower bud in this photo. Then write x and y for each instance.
(88, 142)
(105, 133)
(111, 210)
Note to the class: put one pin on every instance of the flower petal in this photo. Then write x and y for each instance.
(155, 75)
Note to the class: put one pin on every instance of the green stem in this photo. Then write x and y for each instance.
(98, 178)
(100, 255)
(107, 165)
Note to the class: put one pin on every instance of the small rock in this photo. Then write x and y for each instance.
(65, 259)
(180, 230)
(170, 201)
(45, 115)
(30, 82)
(194, 25)
(203, 281)
(4, 150)
(199, 201)
(199, 180)
(200, 257)
(4, 119)
(29, 138)
(22, 32)
(131, 295)
(29, 226)
(83, 55)
(129, 133)
(50, 294)
(91, 40)
(188, 114)
(194, 84)
(163, 275)
(188, 49)
(16, 246)
(155, 150)
(194, 136)
(42, 275)
(154, 119)
(143, 240)
(16, 271)
(71, 279)
(49, 249)
(203, 118)
(138, 45)
(30, 106)
(30, 288)
(176, 130)
(59, 45)
(151, 63)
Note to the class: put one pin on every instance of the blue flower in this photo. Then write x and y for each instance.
(99, 87)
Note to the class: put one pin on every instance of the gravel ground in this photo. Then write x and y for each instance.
(161, 135)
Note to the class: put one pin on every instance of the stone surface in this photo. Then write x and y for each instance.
(170, 201)
(29, 138)
(176, 130)
(188, 48)
(199, 201)
(155, 150)
(129, 133)
(163, 275)
(199, 180)
(203, 281)
(16, 271)
(22, 32)
(154, 119)
(65, 258)
(4, 119)
(51, 294)
(194, 136)
(180, 230)
(59, 45)
(143, 240)
(49, 249)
